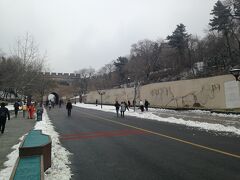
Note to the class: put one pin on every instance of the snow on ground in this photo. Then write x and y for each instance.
(59, 168)
(215, 114)
(149, 115)
(10, 107)
(205, 112)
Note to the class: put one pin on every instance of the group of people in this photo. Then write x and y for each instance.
(30, 109)
(4, 112)
(51, 103)
(144, 105)
(123, 106)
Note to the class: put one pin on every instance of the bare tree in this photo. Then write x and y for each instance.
(20, 71)
(146, 55)
(82, 83)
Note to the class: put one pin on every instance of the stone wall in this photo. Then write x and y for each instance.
(209, 93)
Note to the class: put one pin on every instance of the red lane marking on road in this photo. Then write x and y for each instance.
(101, 134)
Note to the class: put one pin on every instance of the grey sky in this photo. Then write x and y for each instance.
(78, 34)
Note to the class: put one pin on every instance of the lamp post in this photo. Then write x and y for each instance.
(236, 73)
(101, 93)
(128, 81)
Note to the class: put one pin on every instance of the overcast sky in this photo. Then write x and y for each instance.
(78, 34)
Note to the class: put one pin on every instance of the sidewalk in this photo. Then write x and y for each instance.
(15, 128)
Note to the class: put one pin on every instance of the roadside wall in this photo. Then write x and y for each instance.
(219, 92)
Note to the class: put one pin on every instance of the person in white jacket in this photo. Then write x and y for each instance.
(122, 109)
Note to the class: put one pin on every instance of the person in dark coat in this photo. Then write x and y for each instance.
(117, 105)
(4, 114)
(60, 103)
(146, 104)
(129, 104)
(126, 105)
(141, 105)
(69, 107)
(16, 108)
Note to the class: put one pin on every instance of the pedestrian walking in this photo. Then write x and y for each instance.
(16, 108)
(123, 109)
(117, 105)
(4, 114)
(53, 104)
(39, 113)
(141, 105)
(134, 103)
(69, 107)
(49, 106)
(146, 104)
(47, 102)
(96, 102)
(24, 109)
(126, 105)
(129, 104)
(31, 111)
(60, 103)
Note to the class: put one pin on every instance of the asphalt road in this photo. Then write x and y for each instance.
(105, 147)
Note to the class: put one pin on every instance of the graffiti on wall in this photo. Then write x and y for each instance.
(126, 94)
(166, 97)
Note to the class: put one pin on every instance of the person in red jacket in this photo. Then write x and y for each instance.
(31, 110)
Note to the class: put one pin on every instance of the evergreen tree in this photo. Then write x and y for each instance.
(236, 6)
(179, 40)
(119, 65)
(222, 23)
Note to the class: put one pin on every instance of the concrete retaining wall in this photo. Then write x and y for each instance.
(209, 93)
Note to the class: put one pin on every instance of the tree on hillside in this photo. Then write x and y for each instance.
(146, 56)
(106, 75)
(235, 6)
(83, 82)
(119, 64)
(182, 54)
(179, 41)
(221, 22)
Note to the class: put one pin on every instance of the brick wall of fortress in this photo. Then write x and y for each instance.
(219, 92)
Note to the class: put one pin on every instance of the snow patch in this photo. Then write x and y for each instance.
(59, 168)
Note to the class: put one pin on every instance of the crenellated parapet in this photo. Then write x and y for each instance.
(61, 76)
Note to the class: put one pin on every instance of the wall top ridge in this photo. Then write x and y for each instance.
(61, 75)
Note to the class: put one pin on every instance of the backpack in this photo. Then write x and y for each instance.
(2, 113)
